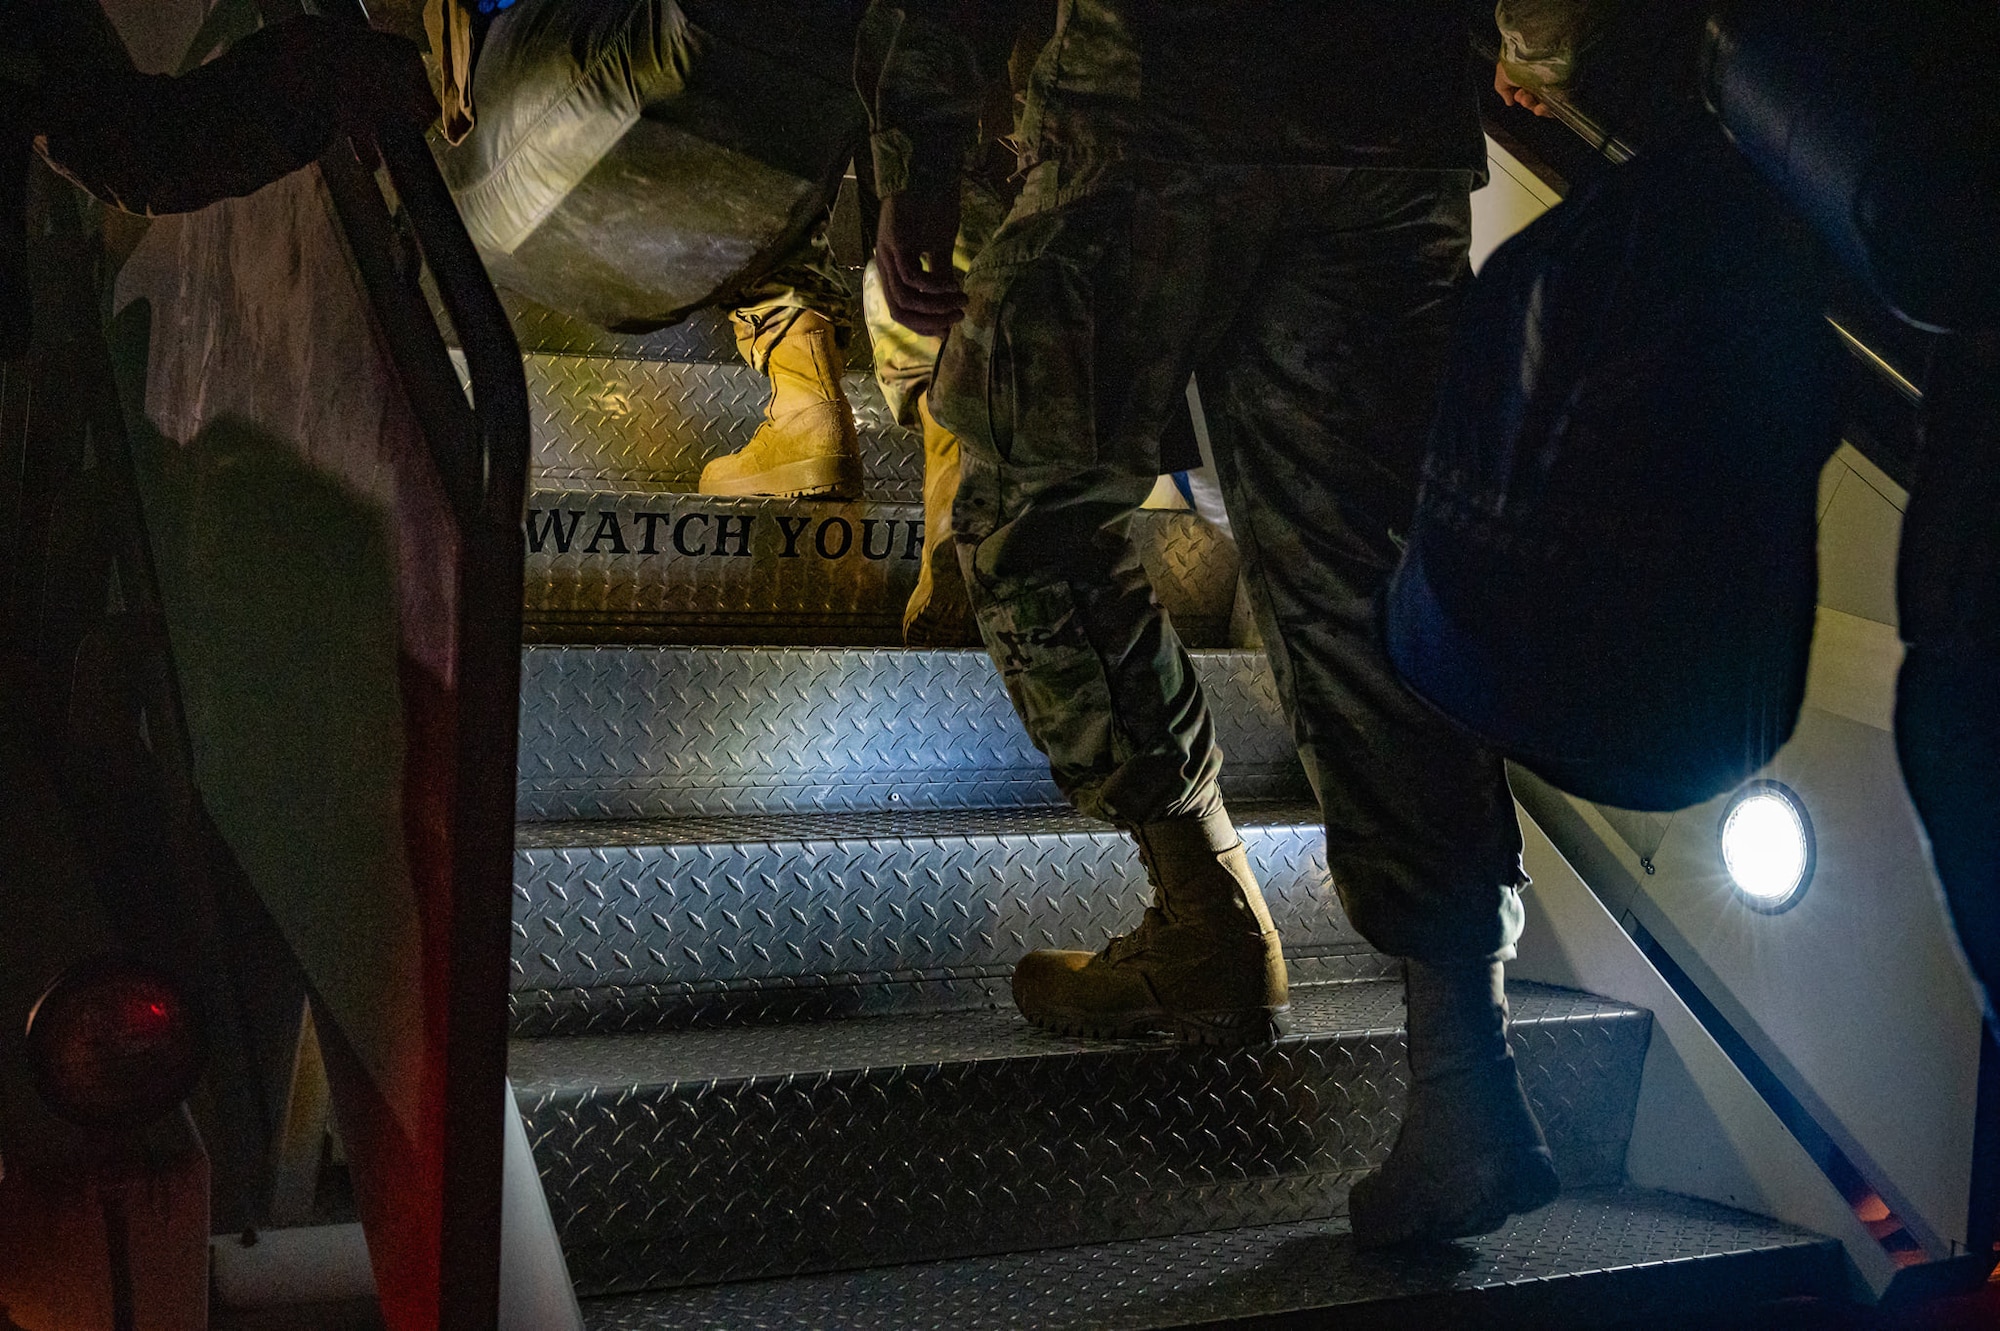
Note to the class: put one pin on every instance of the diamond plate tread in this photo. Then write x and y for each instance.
(815, 914)
(635, 732)
(600, 422)
(858, 825)
(705, 335)
(617, 1009)
(867, 824)
(586, 1065)
(674, 566)
(709, 1155)
(1594, 1257)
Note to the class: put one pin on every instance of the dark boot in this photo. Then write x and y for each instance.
(1470, 1153)
(1204, 963)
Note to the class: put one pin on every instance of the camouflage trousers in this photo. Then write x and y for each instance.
(905, 361)
(1314, 307)
(808, 278)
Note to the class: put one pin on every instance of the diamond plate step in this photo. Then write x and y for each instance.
(630, 926)
(644, 732)
(696, 568)
(705, 335)
(715, 1155)
(1596, 1257)
(609, 422)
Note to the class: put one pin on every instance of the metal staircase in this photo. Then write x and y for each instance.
(620, 550)
(770, 880)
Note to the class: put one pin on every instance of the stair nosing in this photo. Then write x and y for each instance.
(836, 826)
(982, 1036)
(930, 1295)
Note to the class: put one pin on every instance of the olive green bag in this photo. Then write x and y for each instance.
(633, 160)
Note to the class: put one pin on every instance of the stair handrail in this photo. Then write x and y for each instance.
(1607, 142)
(485, 336)
(480, 450)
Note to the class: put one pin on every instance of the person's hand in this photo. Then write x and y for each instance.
(1514, 94)
(914, 237)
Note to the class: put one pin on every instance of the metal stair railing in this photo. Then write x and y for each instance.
(1616, 142)
(480, 450)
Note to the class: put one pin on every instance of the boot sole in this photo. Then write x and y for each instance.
(929, 628)
(943, 618)
(1230, 1029)
(809, 478)
(1512, 1184)
(1226, 1029)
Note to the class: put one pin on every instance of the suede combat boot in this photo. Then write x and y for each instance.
(1204, 964)
(806, 446)
(939, 613)
(1470, 1153)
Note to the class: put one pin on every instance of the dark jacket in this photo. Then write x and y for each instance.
(1345, 83)
(148, 143)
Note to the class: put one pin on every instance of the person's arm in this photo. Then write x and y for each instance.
(923, 68)
(1540, 42)
(264, 108)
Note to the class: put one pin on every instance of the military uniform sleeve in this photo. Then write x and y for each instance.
(923, 68)
(1541, 40)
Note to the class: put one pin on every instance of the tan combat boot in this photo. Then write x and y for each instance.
(939, 613)
(806, 446)
(1469, 1153)
(1204, 964)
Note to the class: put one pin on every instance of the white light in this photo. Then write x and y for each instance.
(1767, 846)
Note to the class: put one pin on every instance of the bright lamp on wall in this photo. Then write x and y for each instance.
(1767, 846)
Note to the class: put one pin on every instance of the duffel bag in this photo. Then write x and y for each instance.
(1880, 125)
(1611, 574)
(633, 160)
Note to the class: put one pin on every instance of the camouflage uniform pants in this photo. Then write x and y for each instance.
(905, 361)
(808, 278)
(1314, 306)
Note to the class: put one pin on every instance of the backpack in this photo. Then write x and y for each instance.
(1611, 574)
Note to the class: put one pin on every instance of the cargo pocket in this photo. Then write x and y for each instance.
(1015, 384)
(1041, 407)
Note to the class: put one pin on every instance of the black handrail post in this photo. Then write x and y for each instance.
(482, 460)
(487, 697)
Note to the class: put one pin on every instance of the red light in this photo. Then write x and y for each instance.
(111, 1044)
(145, 1016)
